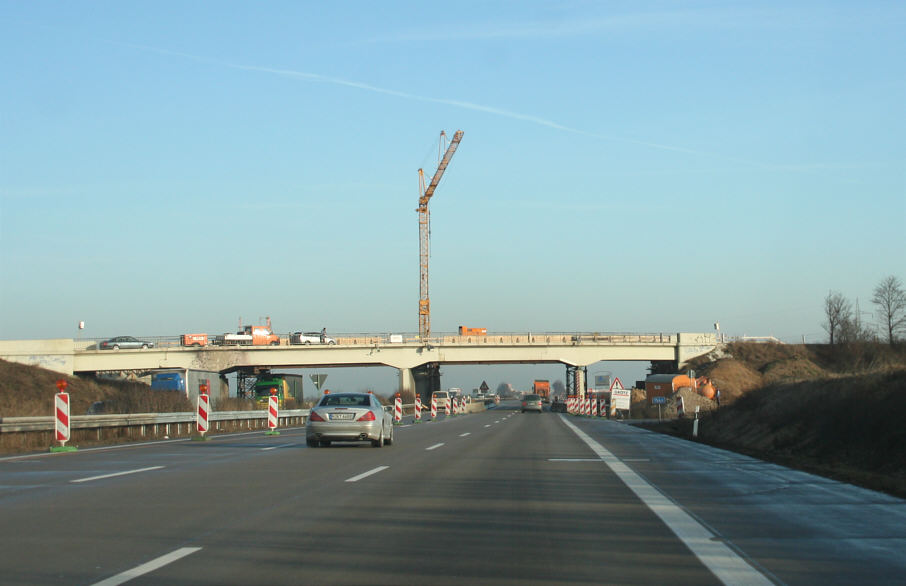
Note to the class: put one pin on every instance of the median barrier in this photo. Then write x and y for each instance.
(30, 432)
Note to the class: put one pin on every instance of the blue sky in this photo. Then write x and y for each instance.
(626, 166)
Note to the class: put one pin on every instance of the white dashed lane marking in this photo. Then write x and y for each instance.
(367, 474)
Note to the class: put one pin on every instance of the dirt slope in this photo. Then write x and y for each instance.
(837, 412)
(28, 391)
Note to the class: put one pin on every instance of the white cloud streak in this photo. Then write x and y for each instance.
(314, 77)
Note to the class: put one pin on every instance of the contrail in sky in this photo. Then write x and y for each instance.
(455, 103)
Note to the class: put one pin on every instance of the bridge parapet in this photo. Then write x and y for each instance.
(397, 350)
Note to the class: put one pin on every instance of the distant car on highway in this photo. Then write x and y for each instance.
(442, 397)
(124, 342)
(349, 417)
(310, 338)
(531, 403)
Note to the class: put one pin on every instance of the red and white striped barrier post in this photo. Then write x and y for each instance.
(273, 413)
(455, 402)
(418, 409)
(397, 409)
(61, 418)
(447, 406)
(463, 404)
(433, 408)
(586, 406)
(201, 417)
(595, 408)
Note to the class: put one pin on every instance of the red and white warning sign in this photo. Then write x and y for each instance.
(619, 397)
(61, 420)
(273, 412)
(201, 419)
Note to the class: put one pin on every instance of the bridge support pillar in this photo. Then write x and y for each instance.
(575, 380)
(427, 380)
(407, 381)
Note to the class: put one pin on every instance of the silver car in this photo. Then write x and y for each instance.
(531, 403)
(308, 338)
(124, 342)
(348, 417)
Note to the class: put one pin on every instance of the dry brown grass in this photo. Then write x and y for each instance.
(803, 407)
(29, 391)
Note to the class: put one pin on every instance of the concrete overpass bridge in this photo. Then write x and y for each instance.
(409, 355)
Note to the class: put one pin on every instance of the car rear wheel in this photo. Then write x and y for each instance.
(379, 442)
(116, 346)
(389, 440)
(311, 443)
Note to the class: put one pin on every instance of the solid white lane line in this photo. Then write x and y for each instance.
(574, 459)
(275, 447)
(465, 434)
(117, 474)
(434, 447)
(488, 425)
(367, 474)
(148, 567)
(723, 562)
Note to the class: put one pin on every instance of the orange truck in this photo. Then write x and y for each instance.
(464, 331)
(250, 336)
(542, 388)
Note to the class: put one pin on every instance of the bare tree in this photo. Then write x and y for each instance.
(852, 330)
(837, 311)
(890, 298)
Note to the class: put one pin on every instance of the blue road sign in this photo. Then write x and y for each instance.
(659, 400)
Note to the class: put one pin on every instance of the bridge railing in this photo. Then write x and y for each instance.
(442, 339)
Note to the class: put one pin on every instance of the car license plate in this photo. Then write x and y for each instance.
(341, 416)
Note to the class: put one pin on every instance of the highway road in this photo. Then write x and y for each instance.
(498, 497)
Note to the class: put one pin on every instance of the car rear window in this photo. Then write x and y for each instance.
(533, 397)
(345, 401)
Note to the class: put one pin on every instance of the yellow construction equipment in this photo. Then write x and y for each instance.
(424, 231)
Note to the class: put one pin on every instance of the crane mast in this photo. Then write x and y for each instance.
(424, 232)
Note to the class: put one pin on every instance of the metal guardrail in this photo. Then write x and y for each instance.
(42, 423)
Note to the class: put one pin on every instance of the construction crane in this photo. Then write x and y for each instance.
(424, 231)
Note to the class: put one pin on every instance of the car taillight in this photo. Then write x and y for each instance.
(313, 416)
(367, 417)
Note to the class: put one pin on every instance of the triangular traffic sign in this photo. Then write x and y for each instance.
(616, 384)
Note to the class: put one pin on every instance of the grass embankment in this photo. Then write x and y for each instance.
(28, 391)
(837, 412)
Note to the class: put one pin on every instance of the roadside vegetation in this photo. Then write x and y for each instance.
(835, 410)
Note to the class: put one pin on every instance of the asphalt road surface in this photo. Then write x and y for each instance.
(498, 497)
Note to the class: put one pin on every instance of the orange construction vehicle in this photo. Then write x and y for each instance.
(464, 331)
(543, 389)
(193, 340)
(260, 335)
